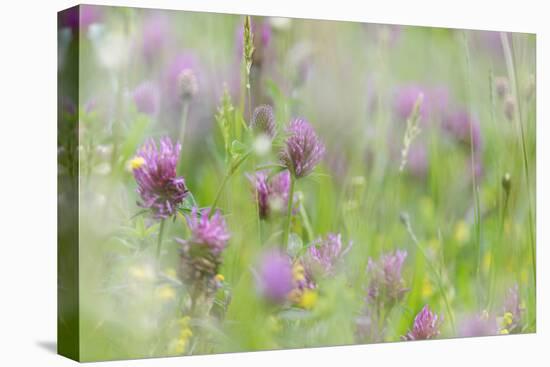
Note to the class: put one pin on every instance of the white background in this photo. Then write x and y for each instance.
(28, 181)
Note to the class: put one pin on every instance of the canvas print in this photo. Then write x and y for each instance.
(235, 183)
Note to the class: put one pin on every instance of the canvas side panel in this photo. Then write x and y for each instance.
(67, 183)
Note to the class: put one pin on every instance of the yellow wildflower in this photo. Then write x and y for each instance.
(462, 232)
(171, 272)
(184, 321)
(298, 272)
(507, 319)
(487, 259)
(308, 299)
(427, 289)
(180, 344)
(136, 162)
(141, 272)
(166, 293)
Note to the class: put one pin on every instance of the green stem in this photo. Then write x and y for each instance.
(432, 268)
(307, 223)
(275, 166)
(242, 92)
(381, 323)
(498, 162)
(184, 114)
(249, 98)
(194, 297)
(159, 242)
(183, 124)
(475, 192)
(219, 193)
(226, 178)
(493, 269)
(289, 211)
(257, 206)
(261, 230)
(511, 68)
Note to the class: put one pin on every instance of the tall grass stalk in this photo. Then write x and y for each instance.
(437, 274)
(475, 188)
(233, 168)
(183, 124)
(257, 206)
(412, 131)
(501, 207)
(305, 219)
(512, 75)
(159, 240)
(502, 218)
(248, 50)
(286, 232)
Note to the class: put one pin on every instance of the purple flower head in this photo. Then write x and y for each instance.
(208, 231)
(82, 16)
(458, 125)
(303, 149)
(417, 161)
(263, 121)
(154, 169)
(264, 33)
(200, 256)
(406, 98)
(272, 194)
(259, 180)
(325, 254)
(275, 280)
(146, 98)
(386, 285)
(90, 14)
(512, 311)
(279, 187)
(478, 325)
(155, 35)
(172, 78)
(434, 103)
(426, 325)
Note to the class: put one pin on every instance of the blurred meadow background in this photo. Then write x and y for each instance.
(255, 183)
